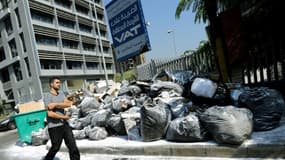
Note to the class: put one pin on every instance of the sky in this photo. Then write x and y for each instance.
(161, 16)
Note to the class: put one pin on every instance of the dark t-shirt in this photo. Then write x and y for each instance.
(50, 98)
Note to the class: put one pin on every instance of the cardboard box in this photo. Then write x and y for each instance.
(31, 106)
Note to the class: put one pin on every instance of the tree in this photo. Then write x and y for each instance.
(207, 11)
(201, 8)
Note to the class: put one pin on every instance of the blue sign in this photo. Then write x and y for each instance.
(128, 28)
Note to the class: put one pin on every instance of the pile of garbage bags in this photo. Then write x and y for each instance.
(179, 107)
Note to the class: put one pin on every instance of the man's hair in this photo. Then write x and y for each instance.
(51, 80)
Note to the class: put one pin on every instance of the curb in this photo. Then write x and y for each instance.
(120, 146)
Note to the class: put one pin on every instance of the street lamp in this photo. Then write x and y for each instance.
(174, 44)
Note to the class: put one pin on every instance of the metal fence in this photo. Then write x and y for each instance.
(203, 62)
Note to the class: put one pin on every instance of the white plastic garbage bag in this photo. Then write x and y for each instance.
(203, 87)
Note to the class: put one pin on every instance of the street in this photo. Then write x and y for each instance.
(7, 138)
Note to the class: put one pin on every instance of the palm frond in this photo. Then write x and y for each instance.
(182, 6)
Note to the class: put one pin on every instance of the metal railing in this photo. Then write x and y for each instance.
(197, 62)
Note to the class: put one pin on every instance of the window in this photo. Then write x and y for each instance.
(85, 28)
(74, 65)
(17, 71)
(45, 40)
(97, 33)
(88, 47)
(5, 75)
(23, 42)
(92, 65)
(109, 66)
(8, 26)
(97, 1)
(28, 66)
(100, 17)
(63, 3)
(103, 33)
(18, 17)
(9, 94)
(82, 10)
(2, 54)
(105, 49)
(66, 23)
(50, 64)
(13, 48)
(36, 15)
(69, 44)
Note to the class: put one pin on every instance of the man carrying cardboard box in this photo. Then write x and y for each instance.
(55, 102)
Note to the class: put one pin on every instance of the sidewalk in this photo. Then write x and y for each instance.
(269, 144)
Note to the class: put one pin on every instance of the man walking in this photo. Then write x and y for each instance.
(58, 128)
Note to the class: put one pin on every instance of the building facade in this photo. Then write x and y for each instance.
(44, 38)
(129, 64)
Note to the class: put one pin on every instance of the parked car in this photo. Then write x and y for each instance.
(8, 122)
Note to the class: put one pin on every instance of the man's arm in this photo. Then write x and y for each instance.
(52, 114)
(67, 103)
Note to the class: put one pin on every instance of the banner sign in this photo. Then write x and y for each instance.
(128, 28)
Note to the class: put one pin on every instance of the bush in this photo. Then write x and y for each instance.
(128, 75)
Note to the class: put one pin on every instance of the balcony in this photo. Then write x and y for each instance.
(71, 72)
(43, 24)
(93, 72)
(52, 72)
(47, 47)
(71, 50)
(7, 85)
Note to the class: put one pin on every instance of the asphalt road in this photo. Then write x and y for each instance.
(7, 138)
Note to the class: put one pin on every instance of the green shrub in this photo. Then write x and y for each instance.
(129, 75)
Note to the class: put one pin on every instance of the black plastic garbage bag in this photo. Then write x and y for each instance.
(100, 118)
(121, 104)
(141, 100)
(184, 79)
(267, 106)
(132, 128)
(228, 124)
(96, 133)
(177, 105)
(154, 121)
(163, 75)
(186, 129)
(74, 123)
(181, 77)
(79, 134)
(85, 121)
(160, 86)
(124, 89)
(88, 104)
(116, 124)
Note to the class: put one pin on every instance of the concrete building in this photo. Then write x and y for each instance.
(44, 38)
(131, 63)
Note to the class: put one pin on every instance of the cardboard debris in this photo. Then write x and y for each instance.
(114, 89)
(31, 106)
